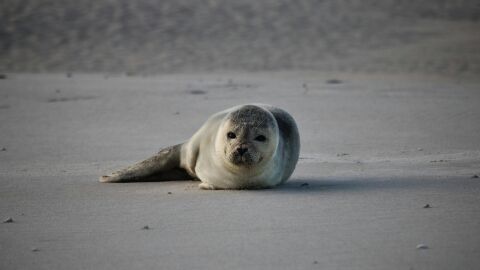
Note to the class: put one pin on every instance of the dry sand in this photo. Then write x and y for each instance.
(376, 149)
(159, 36)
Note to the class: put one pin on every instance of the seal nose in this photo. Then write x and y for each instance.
(242, 150)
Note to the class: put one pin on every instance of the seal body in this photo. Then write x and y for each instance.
(247, 146)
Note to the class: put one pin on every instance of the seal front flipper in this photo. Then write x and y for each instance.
(163, 166)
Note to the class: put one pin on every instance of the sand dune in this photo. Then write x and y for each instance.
(147, 36)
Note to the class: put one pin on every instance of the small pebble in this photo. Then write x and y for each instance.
(35, 249)
(169, 192)
(3, 76)
(334, 81)
(342, 154)
(422, 246)
(419, 149)
(427, 206)
(475, 176)
(197, 92)
(4, 149)
(315, 262)
(8, 220)
(145, 227)
(304, 185)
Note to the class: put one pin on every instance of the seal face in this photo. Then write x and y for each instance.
(247, 146)
(249, 136)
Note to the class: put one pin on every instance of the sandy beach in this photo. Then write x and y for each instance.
(376, 150)
(386, 95)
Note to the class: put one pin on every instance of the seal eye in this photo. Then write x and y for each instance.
(231, 135)
(260, 138)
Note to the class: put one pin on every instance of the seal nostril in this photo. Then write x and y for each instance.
(242, 150)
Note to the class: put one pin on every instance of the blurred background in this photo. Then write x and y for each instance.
(165, 36)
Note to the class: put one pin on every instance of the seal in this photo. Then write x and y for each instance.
(249, 146)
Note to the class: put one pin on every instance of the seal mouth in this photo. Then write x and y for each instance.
(243, 160)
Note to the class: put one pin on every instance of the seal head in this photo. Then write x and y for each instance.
(247, 139)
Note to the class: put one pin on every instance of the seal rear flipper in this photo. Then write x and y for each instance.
(161, 167)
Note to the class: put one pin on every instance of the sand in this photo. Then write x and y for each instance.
(376, 149)
(152, 36)
(389, 125)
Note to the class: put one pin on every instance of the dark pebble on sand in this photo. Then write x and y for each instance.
(4, 149)
(427, 206)
(315, 262)
(169, 192)
(35, 249)
(8, 220)
(305, 88)
(145, 227)
(3, 76)
(304, 185)
(334, 81)
(197, 92)
(475, 176)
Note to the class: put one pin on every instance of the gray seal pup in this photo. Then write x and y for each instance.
(249, 146)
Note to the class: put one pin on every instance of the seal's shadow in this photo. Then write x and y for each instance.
(301, 185)
(323, 185)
